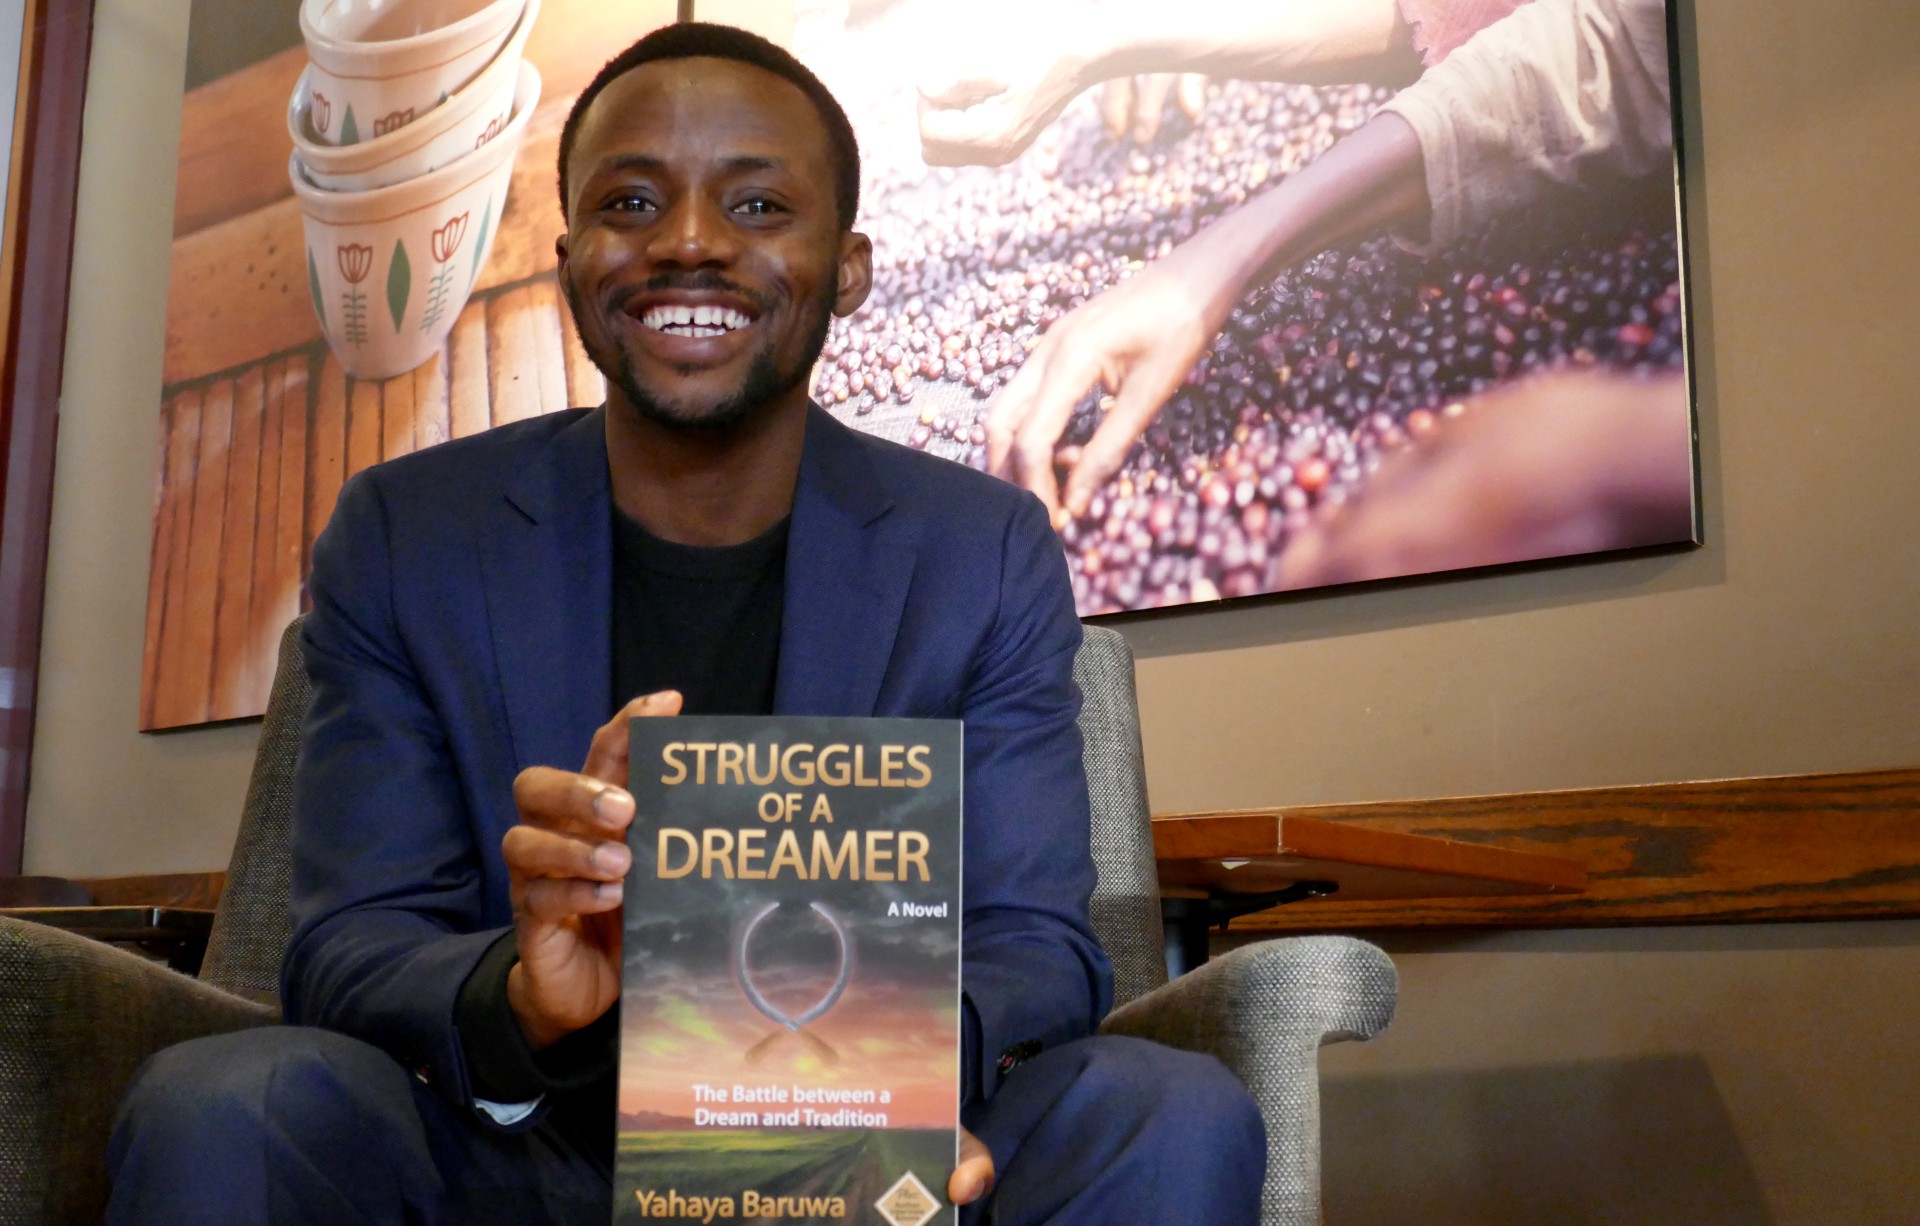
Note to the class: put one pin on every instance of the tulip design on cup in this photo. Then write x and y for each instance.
(393, 122)
(356, 261)
(446, 241)
(322, 113)
(495, 127)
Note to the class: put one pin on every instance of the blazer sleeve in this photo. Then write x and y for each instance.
(386, 891)
(1033, 971)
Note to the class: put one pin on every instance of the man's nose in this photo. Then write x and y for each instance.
(694, 233)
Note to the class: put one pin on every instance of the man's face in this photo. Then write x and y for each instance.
(703, 256)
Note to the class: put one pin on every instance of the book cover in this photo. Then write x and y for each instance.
(790, 1004)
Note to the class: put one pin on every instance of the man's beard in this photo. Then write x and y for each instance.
(765, 382)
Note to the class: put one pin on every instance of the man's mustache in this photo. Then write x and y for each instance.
(697, 280)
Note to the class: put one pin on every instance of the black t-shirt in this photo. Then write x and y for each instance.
(701, 620)
(698, 619)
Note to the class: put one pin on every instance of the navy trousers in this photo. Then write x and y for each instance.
(291, 1126)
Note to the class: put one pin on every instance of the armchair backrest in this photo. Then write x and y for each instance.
(251, 928)
(1126, 902)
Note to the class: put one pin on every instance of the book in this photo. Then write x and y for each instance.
(790, 996)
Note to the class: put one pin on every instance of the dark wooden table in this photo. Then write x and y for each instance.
(1216, 867)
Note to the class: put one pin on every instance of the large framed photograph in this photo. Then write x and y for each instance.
(1255, 297)
(1264, 297)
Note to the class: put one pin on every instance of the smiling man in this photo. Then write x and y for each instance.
(488, 614)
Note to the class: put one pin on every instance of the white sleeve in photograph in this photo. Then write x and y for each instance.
(1558, 95)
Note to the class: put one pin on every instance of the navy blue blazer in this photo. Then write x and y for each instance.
(461, 631)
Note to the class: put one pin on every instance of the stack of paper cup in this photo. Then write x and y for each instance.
(405, 126)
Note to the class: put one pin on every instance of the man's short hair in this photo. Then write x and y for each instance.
(688, 39)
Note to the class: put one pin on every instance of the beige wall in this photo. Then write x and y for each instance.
(1702, 1075)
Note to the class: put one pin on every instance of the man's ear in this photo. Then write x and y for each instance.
(855, 273)
(560, 250)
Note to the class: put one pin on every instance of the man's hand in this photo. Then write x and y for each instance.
(972, 1177)
(566, 863)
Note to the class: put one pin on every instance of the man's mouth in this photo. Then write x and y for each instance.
(693, 320)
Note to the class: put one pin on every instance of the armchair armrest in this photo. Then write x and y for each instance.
(1264, 1010)
(77, 1019)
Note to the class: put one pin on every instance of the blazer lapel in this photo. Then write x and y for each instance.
(847, 578)
(546, 562)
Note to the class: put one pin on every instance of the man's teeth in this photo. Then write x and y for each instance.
(694, 320)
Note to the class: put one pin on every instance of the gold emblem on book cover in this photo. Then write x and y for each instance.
(907, 1202)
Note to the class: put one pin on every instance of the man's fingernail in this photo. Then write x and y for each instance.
(608, 891)
(610, 857)
(606, 800)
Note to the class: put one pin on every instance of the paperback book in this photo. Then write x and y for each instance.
(790, 1004)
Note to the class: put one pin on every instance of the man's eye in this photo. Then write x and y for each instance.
(756, 204)
(629, 203)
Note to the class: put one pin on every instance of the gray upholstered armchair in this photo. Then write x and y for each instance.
(77, 1017)
(1263, 1010)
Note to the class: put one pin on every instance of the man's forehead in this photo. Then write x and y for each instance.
(702, 97)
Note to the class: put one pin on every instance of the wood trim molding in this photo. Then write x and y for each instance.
(1228, 854)
(55, 46)
(157, 890)
(1797, 847)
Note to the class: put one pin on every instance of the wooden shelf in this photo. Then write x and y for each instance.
(1795, 847)
(1256, 851)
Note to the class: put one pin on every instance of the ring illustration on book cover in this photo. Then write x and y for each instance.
(793, 1023)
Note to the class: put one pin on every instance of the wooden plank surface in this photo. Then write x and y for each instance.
(254, 680)
(166, 497)
(363, 426)
(469, 401)
(326, 451)
(396, 416)
(157, 890)
(1839, 846)
(585, 384)
(183, 448)
(183, 688)
(430, 425)
(288, 436)
(1260, 851)
(195, 692)
(549, 343)
(230, 695)
(292, 532)
(513, 355)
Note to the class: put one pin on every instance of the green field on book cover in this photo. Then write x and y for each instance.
(790, 1005)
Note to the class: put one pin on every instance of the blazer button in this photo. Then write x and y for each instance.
(1017, 1055)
